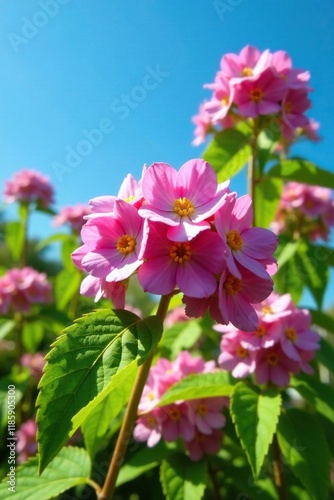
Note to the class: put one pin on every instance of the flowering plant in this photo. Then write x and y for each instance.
(216, 389)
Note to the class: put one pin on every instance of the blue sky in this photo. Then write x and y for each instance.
(69, 66)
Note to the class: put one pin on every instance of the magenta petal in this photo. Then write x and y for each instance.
(242, 216)
(241, 313)
(195, 281)
(100, 263)
(124, 271)
(159, 184)
(158, 275)
(197, 181)
(186, 230)
(259, 243)
(129, 218)
(253, 265)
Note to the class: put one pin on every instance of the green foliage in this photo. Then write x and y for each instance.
(305, 450)
(14, 238)
(66, 286)
(255, 416)
(92, 357)
(317, 394)
(268, 195)
(202, 385)
(300, 170)
(182, 478)
(70, 468)
(182, 335)
(228, 153)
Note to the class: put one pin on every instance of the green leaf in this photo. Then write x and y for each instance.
(285, 251)
(182, 335)
(183, 479)
(32, 335)
(142, 461)
(6, 327)
(228, 152)
(54, 238)
(92, 357)
(68, 246)
(96, 425)
(255, 416)
(267, 196)
(197, 386)
(20, 381)
(66, 286)
(297, 169)
(319, 395)
(313, 271)
(304, 447)
(323, 320)
(71, 467)
(288, 278)
(325, 355)
(14, 238)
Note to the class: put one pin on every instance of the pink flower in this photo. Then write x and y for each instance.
(35, 364)
(222, 99)
(234, 357)
(26, 440)
(203, 124)
(130, 191)
(28, 186)
(21, 288)
(113, 244)
(250, 62)
(203, 444)
(311, 130)
(183, 200)
(206, 414)
(294, 104)
(281, 62)
(176, 423)
(297, 335)
(195, 308)
(273, 365)
(148, 428)
(191, 265)
(99, 287)
(72, 215)
(236, 296)
(261, 95)
(245, 245)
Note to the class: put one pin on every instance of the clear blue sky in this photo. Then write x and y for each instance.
(67, 65)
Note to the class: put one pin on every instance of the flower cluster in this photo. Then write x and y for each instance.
(29, 186)
(35, 364)
(179, 230)
(21, 288)
(72, 215)
(250, 84)
(306, 211)
(26, 440)
(198, 422)
(283, 343)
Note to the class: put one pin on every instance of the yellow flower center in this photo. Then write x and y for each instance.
(261, 331)
(232, 284)
(180, 252)
(202, 410)
(287, 107)
(247, 71)
(126, 244)
(183, 207)
(129, 199)
(224, 101)
(241, 352)
(291, 334)
(234, 240)
(272, 359)
(174, 413)
(266, 310)
(256, 95)
(150, 422)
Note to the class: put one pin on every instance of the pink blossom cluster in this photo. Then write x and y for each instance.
(252, 84)
(35, 364)
(26, 440)
(305, 210)
(283, 344)
(72, 215)
(197, 422)
(179, 231)
(28, 186)
(21, 288)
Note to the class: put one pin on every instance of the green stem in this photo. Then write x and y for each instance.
(130, 416)
(279, 478)
(24, 216)
(252, 172)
